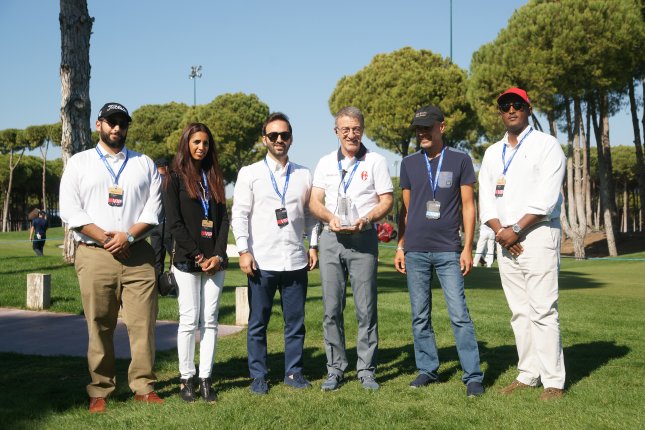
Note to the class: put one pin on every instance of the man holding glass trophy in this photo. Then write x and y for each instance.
(352, 189)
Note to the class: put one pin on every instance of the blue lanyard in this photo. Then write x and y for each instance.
(433, 183)
(351, 175)
(515, 152)
(205, 199)
(115, 177)
(275, 184)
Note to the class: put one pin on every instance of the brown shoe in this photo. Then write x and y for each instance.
(552, 394)
(97, 405)
(151, 397)
(515, 385)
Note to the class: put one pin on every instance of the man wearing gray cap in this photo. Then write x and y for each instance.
(437, 190)
(111, 197)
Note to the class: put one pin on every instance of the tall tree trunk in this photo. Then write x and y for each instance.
(586, 170)
(638, 147)
(43, 153)
(607, 190)
(7, 195)
(75, 31)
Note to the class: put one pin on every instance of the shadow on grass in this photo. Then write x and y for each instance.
(40, 386)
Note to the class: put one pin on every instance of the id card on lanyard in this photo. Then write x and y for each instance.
(433, 207)
(115, 192)
(207, 225)
(501, 182)
(281, 217)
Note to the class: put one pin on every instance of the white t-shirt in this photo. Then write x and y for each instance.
(370, 179)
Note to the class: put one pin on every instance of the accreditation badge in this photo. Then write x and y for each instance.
(499, 187)
(281, 217)
(433, 209)
(115, 196)
(207, 229)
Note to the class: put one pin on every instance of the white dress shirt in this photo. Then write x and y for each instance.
(84, 191)
(533, 179)
(254, 221)
(371, 179)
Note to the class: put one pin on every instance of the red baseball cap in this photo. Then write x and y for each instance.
(518, 92)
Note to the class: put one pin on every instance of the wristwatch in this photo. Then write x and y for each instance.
(314, 247)
(244, 251)
(516, 228)
(130, 237)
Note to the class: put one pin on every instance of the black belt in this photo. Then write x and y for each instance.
(91, 245)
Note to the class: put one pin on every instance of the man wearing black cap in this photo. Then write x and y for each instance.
(110, 197)
(435, 182)
(519, 199)
(38, 233)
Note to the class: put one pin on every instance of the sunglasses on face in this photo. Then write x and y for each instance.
(285, 135)
(505, 107)
(124, 123)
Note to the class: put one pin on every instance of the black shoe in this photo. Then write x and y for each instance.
(259, 386)
(206, 391)
(187, 389)
(422, 380)
(474, 389)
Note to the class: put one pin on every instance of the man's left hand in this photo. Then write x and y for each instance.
(466, 261)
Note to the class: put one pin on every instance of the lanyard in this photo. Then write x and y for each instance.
(275, 184)
(351, 175)
(433, 183)
(205, 198)
(115, 177)
(515, 152)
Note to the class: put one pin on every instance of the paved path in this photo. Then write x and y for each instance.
(48, 333)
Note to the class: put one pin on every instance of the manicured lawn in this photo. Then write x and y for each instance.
(602, 316)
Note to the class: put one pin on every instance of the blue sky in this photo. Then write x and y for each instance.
(290, 53)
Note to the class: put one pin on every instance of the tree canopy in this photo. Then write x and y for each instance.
(393, 86)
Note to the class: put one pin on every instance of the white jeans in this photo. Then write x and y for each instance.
(198, 296)
(530, 284)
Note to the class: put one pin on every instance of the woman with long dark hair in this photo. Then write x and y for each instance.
(196, 215)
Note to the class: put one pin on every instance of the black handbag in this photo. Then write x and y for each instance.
(166, 283)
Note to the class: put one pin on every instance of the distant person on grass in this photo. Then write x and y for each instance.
(270, 217)
(195, 205)
(110, 197)
(437, 190)
(38, 233)
(519, 199)
(160, 235)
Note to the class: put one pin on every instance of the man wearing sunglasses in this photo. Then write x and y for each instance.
(352, 189)
(270, 216)
(437, 190)
(519, 198)
(110, 197)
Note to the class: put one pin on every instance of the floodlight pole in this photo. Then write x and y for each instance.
(450, 30)
(195, 72)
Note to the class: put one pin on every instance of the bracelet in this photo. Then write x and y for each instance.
(199, 258)
(400, 248)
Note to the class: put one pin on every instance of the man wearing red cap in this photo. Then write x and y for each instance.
(519, 198)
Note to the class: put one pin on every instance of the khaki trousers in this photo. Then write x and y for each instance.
(106, 285)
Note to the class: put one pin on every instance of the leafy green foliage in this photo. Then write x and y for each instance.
(151, 126)
(393, 86)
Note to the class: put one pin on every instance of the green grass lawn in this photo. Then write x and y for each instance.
(602, 304)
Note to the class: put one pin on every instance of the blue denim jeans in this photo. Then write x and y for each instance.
(419, 267)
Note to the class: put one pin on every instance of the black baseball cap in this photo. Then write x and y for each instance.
(427, 116)
(112, 108)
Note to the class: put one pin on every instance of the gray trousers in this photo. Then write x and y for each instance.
(356, 256)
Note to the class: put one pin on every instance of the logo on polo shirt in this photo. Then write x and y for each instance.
(364, 175)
